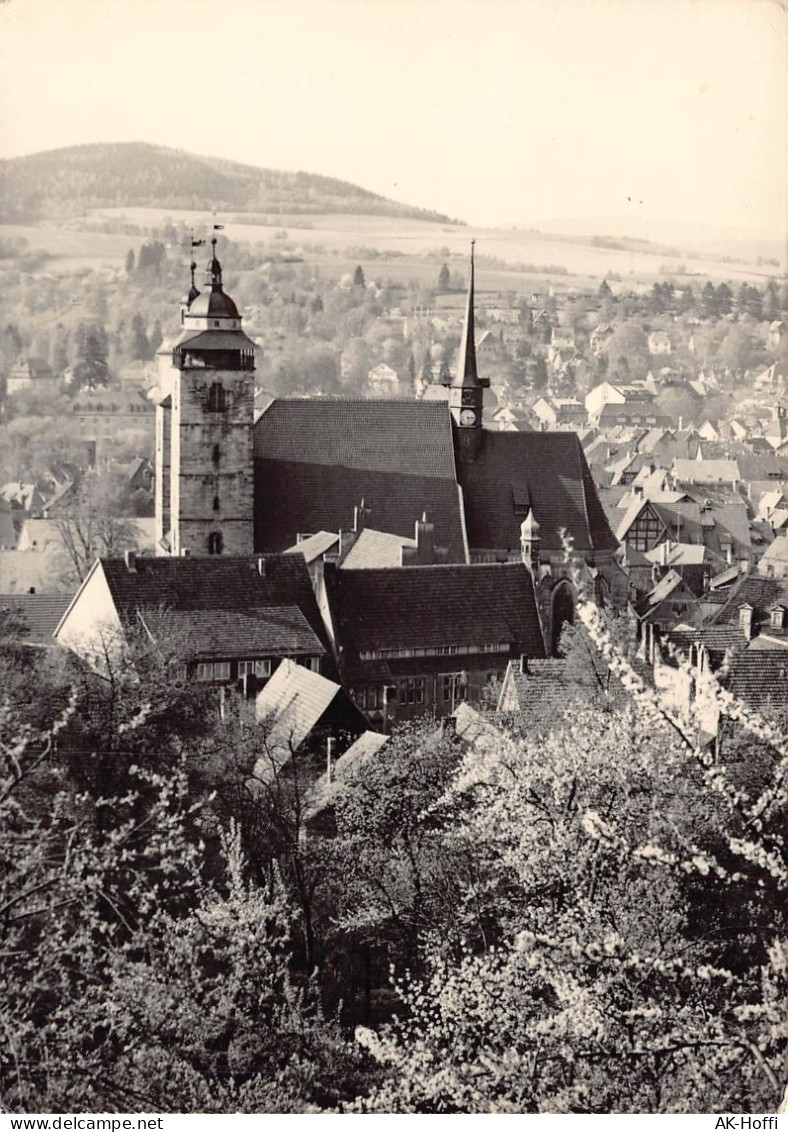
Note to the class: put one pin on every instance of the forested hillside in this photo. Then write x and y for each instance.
(67, 182)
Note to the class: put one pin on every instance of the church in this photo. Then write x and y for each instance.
(227, 484)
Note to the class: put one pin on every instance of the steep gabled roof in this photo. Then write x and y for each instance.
(211, 584)
(39, 614)
(297, 498)
(665, 587)
(291, 704)
(391, 437)
(280, 630)
(561, 491)
(433, 606)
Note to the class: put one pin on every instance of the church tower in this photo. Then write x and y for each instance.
(205, 467)
(466, 392)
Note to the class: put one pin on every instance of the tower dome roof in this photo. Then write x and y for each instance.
(214, 304)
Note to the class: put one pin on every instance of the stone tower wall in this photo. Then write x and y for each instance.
(212, 477)
(162, 481)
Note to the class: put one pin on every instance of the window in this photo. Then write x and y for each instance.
(215, 542)
(367, 697)
(455, 687)
(413, 690)
(216, 502)
(213, 670)
(645, 532)
(217, 398)
(254, 668)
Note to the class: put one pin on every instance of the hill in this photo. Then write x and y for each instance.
(67, 182)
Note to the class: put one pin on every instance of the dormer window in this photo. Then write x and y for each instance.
(777, 617)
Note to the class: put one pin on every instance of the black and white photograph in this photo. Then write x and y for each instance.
(393, 560)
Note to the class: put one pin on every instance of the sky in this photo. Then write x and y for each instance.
(494, 111)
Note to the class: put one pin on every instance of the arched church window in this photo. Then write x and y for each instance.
(563, 604)
(215, 542)
(217, 398)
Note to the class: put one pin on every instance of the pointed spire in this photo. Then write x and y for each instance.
(466, 358)
(467, 375)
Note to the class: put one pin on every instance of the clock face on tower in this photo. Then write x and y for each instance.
(467, 417)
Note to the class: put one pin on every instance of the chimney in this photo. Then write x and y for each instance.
(361, 516)
(185, 553)
(523, 665)
(130, 559)
(745, 620)
(331, 744)
(663, 553)
(425, 541)
(262, 567)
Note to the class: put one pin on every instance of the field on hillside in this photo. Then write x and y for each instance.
(392, 248)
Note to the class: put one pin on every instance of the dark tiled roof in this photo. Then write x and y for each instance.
(764, 466)
(406, 437)
(717, 639)
(293, 498)
(431, 606)
(278, 631)
(39, 613)
(683, 520)
(758, 591)
(211, 584)
(561, 490)
(760, 677)
(547, 684)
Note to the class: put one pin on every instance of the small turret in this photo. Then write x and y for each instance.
(193, 291)
(530, 542)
